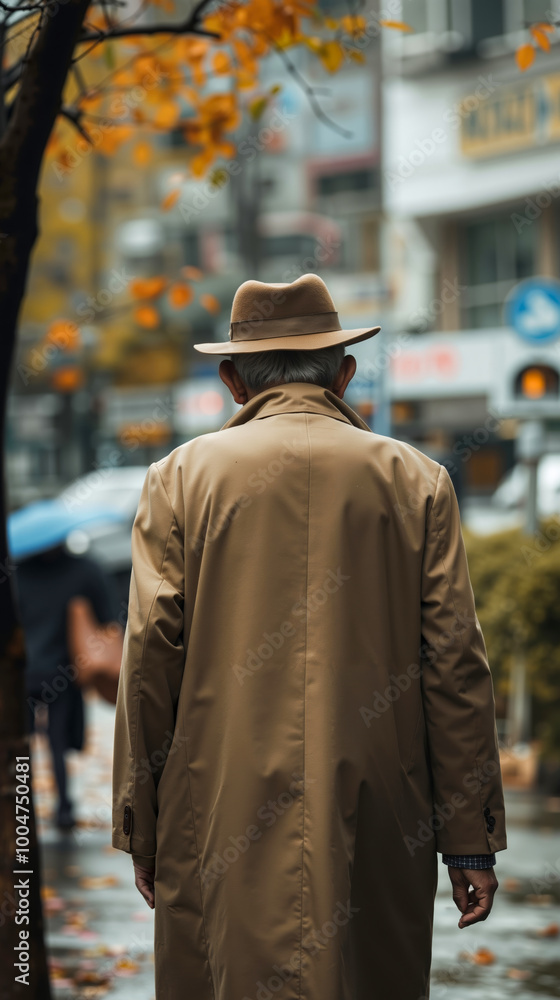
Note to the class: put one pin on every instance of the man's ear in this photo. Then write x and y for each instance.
(344, 375)
(233, 381)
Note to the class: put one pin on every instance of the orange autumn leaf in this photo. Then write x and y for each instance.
(314, 43)
(191, 273)
(245, 80)
(123, 78)
(210, 303)
(221, 63)
(244, 55)
(170, 200)
(541, 38)
(147, 316)
(91, 100)
(396, 25)
(525, 56)
(127, 966)
(550, 931)
(113, 138)
(142, 154)
(147, 288)
(483, 956)
(199, 164)
(167, 115)
(353, 24)
(64, 333)
(180, 295)
(69, 378)
(331, 55)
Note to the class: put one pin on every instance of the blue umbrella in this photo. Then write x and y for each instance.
(43, 525)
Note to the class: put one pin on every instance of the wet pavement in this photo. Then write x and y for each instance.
(100, 932)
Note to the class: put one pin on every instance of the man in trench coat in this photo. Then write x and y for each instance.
(305, 715)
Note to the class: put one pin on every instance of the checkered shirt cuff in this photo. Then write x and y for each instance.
(469, 860)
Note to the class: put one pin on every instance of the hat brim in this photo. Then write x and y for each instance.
(303, 342)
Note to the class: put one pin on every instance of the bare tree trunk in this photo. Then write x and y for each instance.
(22, 146)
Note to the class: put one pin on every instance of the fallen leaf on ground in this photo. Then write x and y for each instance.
(550, 931)
(91, 978)
(482, 956)
(126, 967)
(518, 974)
(98, 881)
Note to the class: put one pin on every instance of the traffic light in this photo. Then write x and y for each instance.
(537, 382)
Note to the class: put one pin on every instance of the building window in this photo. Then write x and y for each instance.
(416, 13)
(520, 13)
(537, 10)
(449, 25)
(494, 257)
(190, 245)
(487, 21)
(335, 8)
(344, 181)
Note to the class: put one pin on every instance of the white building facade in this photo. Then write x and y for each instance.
(471, 177)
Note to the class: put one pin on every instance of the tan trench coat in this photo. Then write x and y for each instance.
(305, 713)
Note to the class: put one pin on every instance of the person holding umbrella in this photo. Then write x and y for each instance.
(47, 578)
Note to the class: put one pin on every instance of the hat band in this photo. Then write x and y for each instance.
(264, 329)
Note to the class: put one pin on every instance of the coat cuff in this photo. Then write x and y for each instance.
(125, 838)
(144, 861)
(478, 861)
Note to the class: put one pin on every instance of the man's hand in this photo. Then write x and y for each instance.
(144, 882)
(475, 904)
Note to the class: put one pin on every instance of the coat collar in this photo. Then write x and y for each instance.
(296, 397)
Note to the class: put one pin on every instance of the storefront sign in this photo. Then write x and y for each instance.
(518, 116)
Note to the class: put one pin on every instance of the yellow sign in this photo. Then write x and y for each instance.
(513, 117)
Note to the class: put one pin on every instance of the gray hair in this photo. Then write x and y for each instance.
(267, 368)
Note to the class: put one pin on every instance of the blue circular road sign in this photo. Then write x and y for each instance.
(532, 308)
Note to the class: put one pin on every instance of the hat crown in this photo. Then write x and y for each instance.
(256, 301)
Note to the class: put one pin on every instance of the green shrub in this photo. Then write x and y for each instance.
(516, 583)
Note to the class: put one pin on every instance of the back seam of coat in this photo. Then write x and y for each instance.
(305, 701)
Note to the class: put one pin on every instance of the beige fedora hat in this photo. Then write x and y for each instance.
(291, 316)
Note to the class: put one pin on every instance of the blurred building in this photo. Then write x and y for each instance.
(302, 194)
(471, 177)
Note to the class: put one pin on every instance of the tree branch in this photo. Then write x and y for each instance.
(189, 26)
(74, 116)
(36, 105)
(309, 91)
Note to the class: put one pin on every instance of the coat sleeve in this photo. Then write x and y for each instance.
(457, 692)
(152, 669)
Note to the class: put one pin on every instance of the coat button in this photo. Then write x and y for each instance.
(487, 811)
(126, 819)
